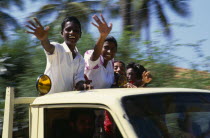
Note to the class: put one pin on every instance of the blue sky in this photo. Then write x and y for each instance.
(197, 29)
(188, 30)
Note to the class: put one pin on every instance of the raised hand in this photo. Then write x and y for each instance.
(38, 30)
(102, 26)
(146, 77)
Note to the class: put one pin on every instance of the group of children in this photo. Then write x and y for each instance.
(68, 69)
(135, 75)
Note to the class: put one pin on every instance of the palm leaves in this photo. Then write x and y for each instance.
(143, 11)
(59, 10)
(180, 7)
(6, 21)
(162, 18)
(7, 3)
(62, 10)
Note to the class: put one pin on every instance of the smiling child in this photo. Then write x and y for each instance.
(65, 66)
(99, 61)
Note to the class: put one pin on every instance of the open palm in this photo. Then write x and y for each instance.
(37, 30)
(102, 26)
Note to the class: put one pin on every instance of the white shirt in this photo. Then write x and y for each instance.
(63, 70)
(101, 77)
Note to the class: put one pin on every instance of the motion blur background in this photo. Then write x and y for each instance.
(169, 37)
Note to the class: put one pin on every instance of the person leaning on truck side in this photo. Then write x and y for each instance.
(65, 65)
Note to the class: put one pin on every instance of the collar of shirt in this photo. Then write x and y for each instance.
(66, 48)
(109, 68)
(102, 60)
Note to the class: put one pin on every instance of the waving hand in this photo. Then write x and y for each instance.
(102, 26)
(38, 30)
(42, 34)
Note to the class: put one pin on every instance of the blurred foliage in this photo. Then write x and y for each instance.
(138, 15)
(60, 9)
(15, 59)
(22, 59)
(160, 61)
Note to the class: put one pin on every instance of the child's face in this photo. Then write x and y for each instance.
(119, 68)
(109, 50)
(131, 75)
(71, 33)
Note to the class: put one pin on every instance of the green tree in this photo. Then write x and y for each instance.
(137, 14)
(6, 19)
(16, 59)
(62, 9)
(16, 55)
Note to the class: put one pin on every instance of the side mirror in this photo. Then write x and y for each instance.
(43, 84)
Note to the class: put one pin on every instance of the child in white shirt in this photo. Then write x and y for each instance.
(99, 63)
(65, 66)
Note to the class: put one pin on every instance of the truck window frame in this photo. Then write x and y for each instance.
(62, 106)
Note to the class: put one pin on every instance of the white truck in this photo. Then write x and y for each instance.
(131, 113)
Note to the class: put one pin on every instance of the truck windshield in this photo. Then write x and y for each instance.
(168, 115)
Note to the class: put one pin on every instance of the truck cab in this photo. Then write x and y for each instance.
(118, 112)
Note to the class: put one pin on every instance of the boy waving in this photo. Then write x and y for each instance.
(65, 65)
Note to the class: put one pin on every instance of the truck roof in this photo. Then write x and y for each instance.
(103, 96)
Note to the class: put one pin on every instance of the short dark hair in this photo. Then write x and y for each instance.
(138, 69)
(120, 62)
(70, 19)
(111, 39)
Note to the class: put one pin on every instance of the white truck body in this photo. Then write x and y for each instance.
(105, 99)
